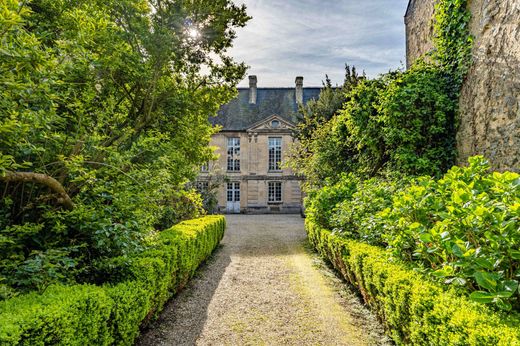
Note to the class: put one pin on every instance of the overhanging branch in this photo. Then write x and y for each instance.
(41, 179)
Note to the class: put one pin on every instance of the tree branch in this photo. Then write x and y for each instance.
(42, 179)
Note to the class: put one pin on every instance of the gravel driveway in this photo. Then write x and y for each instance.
(263, 286)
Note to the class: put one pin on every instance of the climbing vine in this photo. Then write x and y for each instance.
(452, 38)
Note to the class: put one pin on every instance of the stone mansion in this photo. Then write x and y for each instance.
(257, 132)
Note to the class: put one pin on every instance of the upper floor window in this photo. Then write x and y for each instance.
(275, 153)
(233, 154)
(205, 168)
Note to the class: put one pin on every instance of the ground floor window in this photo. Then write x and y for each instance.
(202, 187)
(233, 192)
(275, 192)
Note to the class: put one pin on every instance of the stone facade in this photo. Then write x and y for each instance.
(252, 148)
(490, 99)
(419, 29)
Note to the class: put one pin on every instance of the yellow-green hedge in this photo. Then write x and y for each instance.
(413, 309)
(112, 314)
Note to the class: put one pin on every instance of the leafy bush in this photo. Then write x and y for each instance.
(112, 313)
(321, 204)
(355, 217)
(401, 122)
(463, 229)
(415, 310)
(417, 121)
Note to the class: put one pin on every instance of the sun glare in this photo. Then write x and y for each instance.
(193, 33)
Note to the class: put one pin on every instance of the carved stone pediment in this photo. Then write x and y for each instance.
(274, 123)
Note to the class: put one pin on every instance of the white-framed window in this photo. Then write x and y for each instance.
(233, 154)
(205, 167)
(275, 153)
(233, 192)
(275, 192)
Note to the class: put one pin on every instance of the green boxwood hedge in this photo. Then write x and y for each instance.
(414, 310)
(112, 314)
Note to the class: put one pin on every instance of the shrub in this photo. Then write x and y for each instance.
(463, 229)
(354, 217)
(112, 313)
(401, 122)
(320, 204)
(415, 310)
(417, 121)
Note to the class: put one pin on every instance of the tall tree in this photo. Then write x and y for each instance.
(314, 131)
(104, 110)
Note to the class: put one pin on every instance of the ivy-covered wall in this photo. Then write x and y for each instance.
(489, 121)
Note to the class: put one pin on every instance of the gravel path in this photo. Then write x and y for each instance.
(263, 286)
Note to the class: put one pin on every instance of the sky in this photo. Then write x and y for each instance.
(311, 38)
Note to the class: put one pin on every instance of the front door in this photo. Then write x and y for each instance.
(233, 198)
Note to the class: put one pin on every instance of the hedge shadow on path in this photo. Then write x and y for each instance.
(184, 316)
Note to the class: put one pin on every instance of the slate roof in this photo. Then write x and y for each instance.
(239, 115)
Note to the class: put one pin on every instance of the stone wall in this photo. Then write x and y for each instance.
(490, 99)
(419, 29)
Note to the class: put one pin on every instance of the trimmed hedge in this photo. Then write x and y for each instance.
(112, 313)
(414, 310)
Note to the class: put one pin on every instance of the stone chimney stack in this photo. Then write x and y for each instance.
(252, 90)
(299, 90)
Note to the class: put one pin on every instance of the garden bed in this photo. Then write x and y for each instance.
(113, 313)
(414, 310)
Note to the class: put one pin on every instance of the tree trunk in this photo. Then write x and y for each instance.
(42, 179)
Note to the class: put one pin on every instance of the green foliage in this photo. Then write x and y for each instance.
(316, 155)
(355, 217)
(111, 99)
(417, 123)
(112, 313)
(401, 122)
(463, 229)
(321, 204)
(415, 310)
(358, 126)
(453, 41)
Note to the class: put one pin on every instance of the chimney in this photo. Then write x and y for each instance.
(299, 90)
(252, 90)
